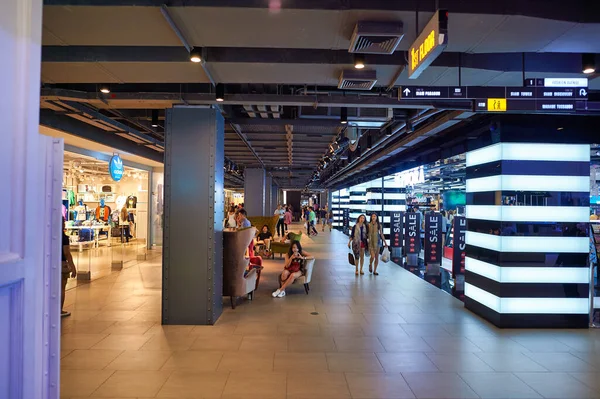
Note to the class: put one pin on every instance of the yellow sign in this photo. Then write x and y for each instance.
(496, 104)
(429, 45)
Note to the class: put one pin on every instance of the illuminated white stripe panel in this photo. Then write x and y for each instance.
(528, 305)
(528, 244)
(394, 208)
(575, 214)
(528, 183)
(564, 275)
(529, 152)
(388, 196)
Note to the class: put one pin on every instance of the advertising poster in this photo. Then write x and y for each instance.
(458, 255)
(433, 238)
(412, 233)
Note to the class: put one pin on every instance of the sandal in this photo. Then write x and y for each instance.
(376, 274)
(370, 269)
(362, 273)
(356, 273)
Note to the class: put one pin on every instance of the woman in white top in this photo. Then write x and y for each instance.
(231, 223)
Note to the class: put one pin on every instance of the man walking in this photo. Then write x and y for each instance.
(280, 222)
(312, 217)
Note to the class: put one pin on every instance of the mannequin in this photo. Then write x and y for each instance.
(81, 211)
(102, 211)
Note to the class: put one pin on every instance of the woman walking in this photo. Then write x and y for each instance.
(358, 242)
(375, 233)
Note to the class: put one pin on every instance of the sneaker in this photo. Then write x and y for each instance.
(281, 294)
(276, 293)
(64, 313)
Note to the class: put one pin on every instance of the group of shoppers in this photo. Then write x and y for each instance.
(366, 236)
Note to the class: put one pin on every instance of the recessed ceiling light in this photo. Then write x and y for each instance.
(104, 89)
(359, 61)
(344, 115)
(154, 118)
(560, 128)
(588, 62)
(220, 92)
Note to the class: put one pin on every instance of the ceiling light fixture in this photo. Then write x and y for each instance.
(195, 55)
(369, 142)
(344, 116)
(220, 94)
(389, 131)
(359, 61)
(104, 89)
(154, 118)
(588, 62)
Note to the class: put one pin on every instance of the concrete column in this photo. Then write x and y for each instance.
(275, 200)
(255, 191)
(193, 213)
(527, 242)
(270, 205)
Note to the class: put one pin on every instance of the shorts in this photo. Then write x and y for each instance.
(286, 274)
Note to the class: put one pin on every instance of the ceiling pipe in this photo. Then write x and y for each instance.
(164, 10)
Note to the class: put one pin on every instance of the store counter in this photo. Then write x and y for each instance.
(97, 229)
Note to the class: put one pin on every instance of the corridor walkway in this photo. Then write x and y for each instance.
(390, 336)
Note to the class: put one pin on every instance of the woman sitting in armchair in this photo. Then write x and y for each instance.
(293, 268)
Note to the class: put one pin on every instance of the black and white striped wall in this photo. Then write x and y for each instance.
(527, 237)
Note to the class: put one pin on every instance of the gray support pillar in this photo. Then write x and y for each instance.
(254, 192)
(193, 235)
(270, 205)
(275, 197)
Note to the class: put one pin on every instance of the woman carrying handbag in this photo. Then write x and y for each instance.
(358, 242)
(375, 233)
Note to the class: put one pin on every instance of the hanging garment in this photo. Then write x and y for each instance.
(103, 213)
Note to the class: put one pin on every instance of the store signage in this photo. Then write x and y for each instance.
(346, 220)
(429, 44)
(459, 245)
(412, 233)
(116, 168)
(396, 230)
(410, 177)
(433, 238)
(556, 82)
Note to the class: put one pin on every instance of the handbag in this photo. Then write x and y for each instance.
(351, 259)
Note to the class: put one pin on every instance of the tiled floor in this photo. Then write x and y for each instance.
(390, 336)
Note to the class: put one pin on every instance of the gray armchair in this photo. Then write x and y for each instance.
(235, 284)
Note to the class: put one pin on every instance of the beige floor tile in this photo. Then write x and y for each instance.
(378, 386)
(122, 342)
(144, 384)
(408, 344)
(510, 362)
(167, 330)
(159, 342)
(557, 362)
(262, 344)
(65, 352)
(214, 331)
(193, 361)
(353, 362)
(140, 360)
(297, 329)
(557, 385)
(358, 344)
(81, 382)
(115, 315)
(341, 330)
(438, 386)
(194, 384)
(292, 362)
(245, 361)
(91, 359)
(459, 362)
(499, 386)
(311, 344)
(406, 362)
(253, 385)
(129, 327)
(226, 343)
(317, 386)
(80, 341)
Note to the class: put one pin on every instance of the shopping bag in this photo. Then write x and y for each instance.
(385, 256)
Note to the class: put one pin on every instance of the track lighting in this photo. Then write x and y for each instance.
(104, 89)
(220, 92)
(154, 118)
(369, 142)
(195, 55)
(388, 131)
(588, 62)
(359, 61)
(344, 116)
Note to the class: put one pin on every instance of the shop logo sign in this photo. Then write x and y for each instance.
(116, 168)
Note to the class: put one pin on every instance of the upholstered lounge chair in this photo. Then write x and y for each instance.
(281, 248)
(235, 284)
(307, 277)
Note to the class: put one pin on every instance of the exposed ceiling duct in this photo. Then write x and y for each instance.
(352, 79)
(376, 37)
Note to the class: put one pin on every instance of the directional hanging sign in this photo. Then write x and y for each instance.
(473, 92)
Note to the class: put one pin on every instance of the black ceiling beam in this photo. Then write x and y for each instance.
(86, 131)
(576, 11)
(508, 62)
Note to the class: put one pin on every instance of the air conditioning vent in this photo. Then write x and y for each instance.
(351, 79)
(373, 37)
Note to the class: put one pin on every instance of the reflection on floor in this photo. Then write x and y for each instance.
(390, 336)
